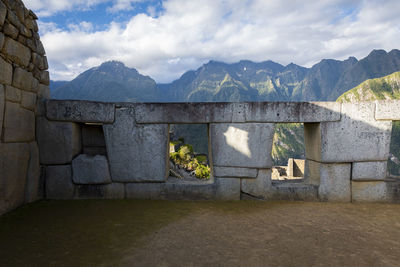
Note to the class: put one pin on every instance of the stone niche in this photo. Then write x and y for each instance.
(24, 81)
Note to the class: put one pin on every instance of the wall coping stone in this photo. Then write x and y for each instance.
(80, 111)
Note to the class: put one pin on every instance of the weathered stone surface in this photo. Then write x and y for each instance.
(3, 13)
(312, 172)
(10, 30)
(292, 111)
(189, 112)
(357, 137)
(19, 124)
(6, 72)
(294, 192)
(237, 112)
(59, 182)
(23, 79)
(242, 145)
(80, 111)
(45, 78)
(234, 172)
(227, 188)
(188, 191)
(312, 140)
(13, 168)
(136, 152)
(17, 52)
(28, 100)
(387, 110)
(13, 94)
(369, 192)
(32, 189)
(93, 135)
(2, 102)
(1, 40)
(144, 190)
(95, 150)
(109, 191)
(43, 91)
(335, 182)
(90, 170)
(259, 187)
(58, 142)
(375, 170)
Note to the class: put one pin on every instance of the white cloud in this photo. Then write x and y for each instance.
(188, 33)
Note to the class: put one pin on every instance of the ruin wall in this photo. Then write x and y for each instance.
(24, 81)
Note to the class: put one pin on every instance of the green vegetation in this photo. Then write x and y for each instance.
(186, 159)
(288, 143)
(387, 87)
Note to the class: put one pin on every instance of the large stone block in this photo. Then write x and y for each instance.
(32, 189)
(2, 102)
(369, 192)
(293, 192)
(375, 170)
(80, 111)
(312, 172)
(28, 100)
(58, 142)
(1, 40)
(188, 191)
(109, 191)
(6, 72)
(136, 152)
(23, 79)
(237, 112)
(242, 145)
(189, 112)
(292, 111)
(387, 110)
(14, 160)
(145, 190)
(17, 52)
(234, 172)
(59, 182)
(227, 188)
(357, 137)
(90, 170)
(19, 124)
(13, 94)
(335, 182)
(3, 13)
(259, 187)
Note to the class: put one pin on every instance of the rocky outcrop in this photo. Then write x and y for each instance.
(24, 81)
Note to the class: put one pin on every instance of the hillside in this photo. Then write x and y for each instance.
(237, 82)
(387, 87)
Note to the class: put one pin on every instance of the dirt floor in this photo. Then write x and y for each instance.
(169, 233)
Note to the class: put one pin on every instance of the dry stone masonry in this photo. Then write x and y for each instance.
(80, 149)
(347, 146)
(24, 81)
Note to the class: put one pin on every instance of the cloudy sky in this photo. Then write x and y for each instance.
(164, 38)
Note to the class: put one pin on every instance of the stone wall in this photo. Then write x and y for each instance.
(114, 150)
(24, 81)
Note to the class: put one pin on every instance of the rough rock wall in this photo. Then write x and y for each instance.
(24, 81)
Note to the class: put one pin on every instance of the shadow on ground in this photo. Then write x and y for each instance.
(172, 233)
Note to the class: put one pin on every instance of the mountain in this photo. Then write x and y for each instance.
(111, 81)
(56, 84)
(387, 87)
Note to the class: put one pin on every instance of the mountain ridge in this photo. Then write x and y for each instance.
(245, 80)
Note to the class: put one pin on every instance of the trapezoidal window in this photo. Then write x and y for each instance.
(189, 153)
(288, 153)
